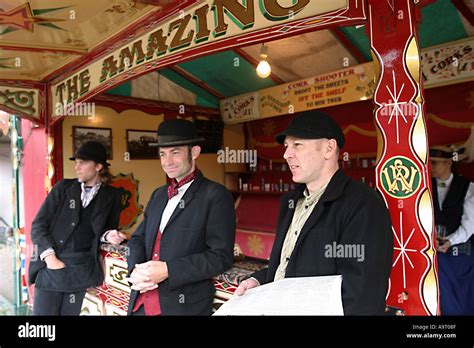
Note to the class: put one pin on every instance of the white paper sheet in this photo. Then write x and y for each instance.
(289, 296)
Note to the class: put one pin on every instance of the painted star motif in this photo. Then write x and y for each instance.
(255, 245)
(396, 107)
(401, 246)
(21, 18)
(268, 128)
(4, 63)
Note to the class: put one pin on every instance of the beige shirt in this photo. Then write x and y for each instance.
(304, 208)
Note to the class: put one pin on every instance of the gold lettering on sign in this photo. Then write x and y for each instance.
(242, 15)
(273, 11)
(156, 43)
(178, 40)
(127, 58)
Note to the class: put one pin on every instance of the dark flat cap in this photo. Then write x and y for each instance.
(313, 125)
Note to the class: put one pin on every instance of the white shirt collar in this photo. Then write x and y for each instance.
(447, 181)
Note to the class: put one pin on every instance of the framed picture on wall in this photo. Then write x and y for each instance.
(138, 144)
(82, 134)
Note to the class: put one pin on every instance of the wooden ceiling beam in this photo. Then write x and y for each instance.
(348, 45)
(195, 81)
(465, 10)
(7, 47)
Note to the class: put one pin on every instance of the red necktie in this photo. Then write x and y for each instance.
(175, 185)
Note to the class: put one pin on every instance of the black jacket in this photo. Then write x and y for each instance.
(197, 244)
(348, 213)
(53, 227)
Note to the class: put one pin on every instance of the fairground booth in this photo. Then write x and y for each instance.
(397, 75)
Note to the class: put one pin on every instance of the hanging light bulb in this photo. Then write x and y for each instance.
(263, 68)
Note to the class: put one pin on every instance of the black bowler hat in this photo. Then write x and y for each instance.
(177, 132)
(439, 153)
(92, 151)
(313, 125)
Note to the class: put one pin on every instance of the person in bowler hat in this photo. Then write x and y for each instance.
(75, 217)
(453, 203)
(187, 234)
(330, 224)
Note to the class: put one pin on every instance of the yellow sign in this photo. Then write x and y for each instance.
(192, 29)
(338, 87)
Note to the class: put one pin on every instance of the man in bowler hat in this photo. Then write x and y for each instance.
(187, 234)
(75, 217)
(328, 212)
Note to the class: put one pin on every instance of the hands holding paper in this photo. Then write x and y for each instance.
(146, 276)
(246, 285)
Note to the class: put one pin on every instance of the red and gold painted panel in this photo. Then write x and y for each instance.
(255, 244)
(131, 209)
(402, 171)
(111, 298)
(23, 98)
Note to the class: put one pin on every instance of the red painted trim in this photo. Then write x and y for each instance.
(128, 34)
(40, 49)
(57, 133)
(348, 45)
(194, 80)
(274, 77)
(465, 10)
(152, 107)
(22, 83)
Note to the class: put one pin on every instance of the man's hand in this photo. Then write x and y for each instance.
(146, 276)
(140, 282)
(157, 271)
(52, 262)
(246, 285)
(115, 237)
(444, 247)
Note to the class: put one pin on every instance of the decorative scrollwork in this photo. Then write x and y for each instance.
(22, 101)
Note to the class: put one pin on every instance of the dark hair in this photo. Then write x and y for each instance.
(105, 175)
(190, 155)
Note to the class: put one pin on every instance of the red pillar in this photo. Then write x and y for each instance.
(34, 176)
(402, 172)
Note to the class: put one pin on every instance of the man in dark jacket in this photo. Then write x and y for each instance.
(75, 216)
(453, 202)
(329, 225)
(187, 235)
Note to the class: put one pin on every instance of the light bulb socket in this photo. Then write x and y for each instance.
(264, 51)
